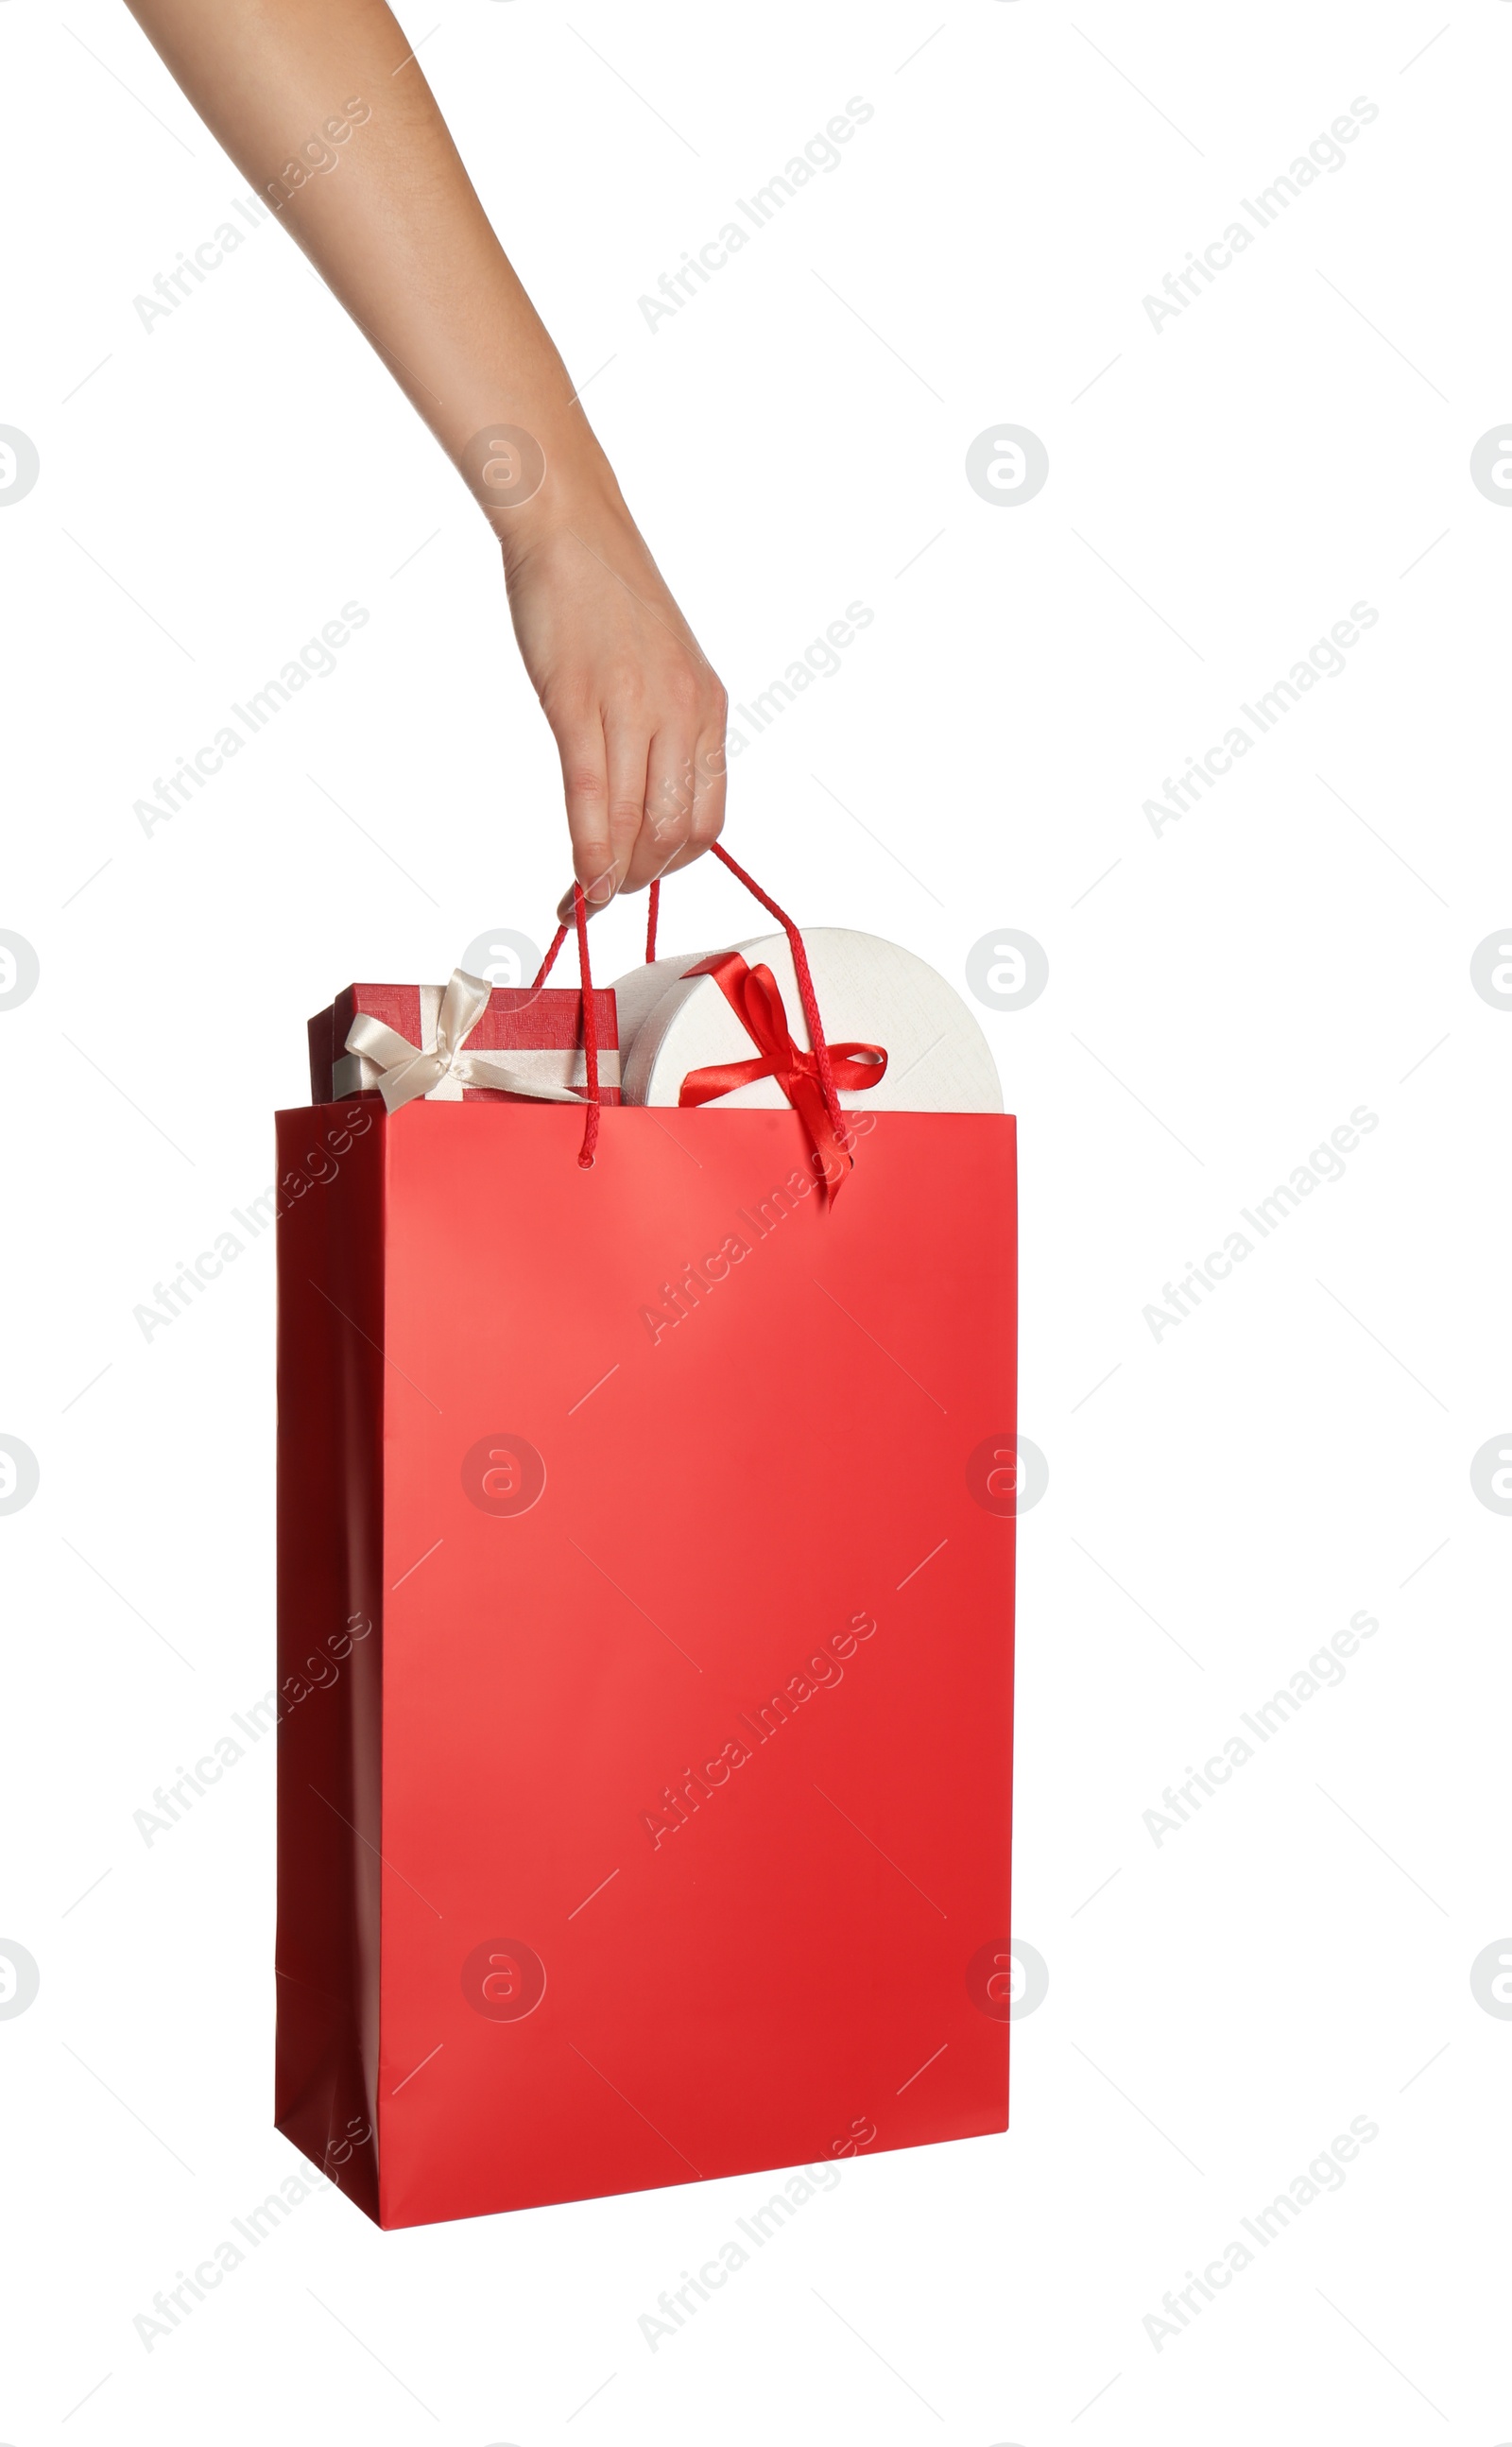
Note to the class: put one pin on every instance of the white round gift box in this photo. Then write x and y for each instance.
(867, 989)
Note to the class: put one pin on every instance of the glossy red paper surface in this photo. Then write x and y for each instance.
(817, 1947)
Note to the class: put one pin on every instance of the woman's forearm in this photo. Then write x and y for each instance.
(386, 213)
(324, 107)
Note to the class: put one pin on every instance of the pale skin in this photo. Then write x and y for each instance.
(388, 217)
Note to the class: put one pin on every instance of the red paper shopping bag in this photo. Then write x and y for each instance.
(646, 1554)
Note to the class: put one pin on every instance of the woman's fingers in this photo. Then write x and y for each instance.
(585, 783)
(706, 814)
(627, 734)
(680, 811)
(605, 778)
(667, 812)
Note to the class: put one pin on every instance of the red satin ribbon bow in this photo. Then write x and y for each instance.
(754, 998)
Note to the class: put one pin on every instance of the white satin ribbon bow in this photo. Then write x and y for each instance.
(446, 1067)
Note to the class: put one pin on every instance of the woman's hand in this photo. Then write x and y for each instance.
(637, 711)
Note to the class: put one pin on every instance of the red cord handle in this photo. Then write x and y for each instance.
(587, 1152)
(800, 969)
(805, 990)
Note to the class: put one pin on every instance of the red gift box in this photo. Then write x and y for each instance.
(540, 1031)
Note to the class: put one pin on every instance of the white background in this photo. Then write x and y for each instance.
(1220, 997)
